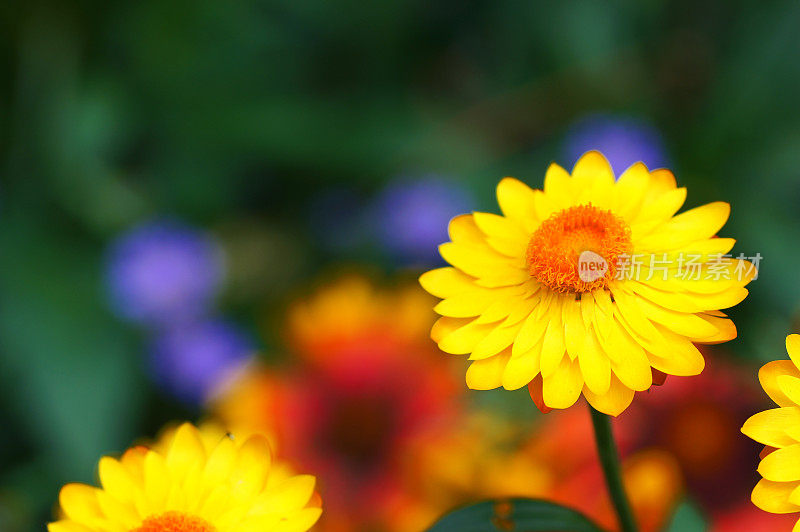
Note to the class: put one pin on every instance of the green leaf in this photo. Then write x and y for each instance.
(687, 518)
(73, 370)
(519, 515)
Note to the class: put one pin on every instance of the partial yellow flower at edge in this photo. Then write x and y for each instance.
(518, 301)
(192, 481)
(778, 429)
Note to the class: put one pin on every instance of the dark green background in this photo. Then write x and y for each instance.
(233, 115)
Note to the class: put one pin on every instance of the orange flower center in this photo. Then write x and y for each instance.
(175, 522)
(576, 249)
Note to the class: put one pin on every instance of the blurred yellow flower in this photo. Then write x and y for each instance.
(191, 481)
(353, 309)
(779, 430)
(589, 286)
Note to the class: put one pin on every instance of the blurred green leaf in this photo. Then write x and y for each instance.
(521, 515)
(69, 368)
(687, 518)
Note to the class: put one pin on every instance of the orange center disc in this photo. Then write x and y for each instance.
(557, 252)
(175, 522)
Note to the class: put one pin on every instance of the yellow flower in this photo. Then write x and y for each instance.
(587, 285)
(191, 481)
(779, 429)
(351, 308)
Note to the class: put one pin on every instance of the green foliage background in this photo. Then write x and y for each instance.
(234, 114)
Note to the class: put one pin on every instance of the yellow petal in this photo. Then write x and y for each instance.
(773, 497)
(654, 213)
(464, 339)
(186, 452)
(258, 523)
(116, 480)
(770, 426)
(125, 515)
(725, 327)
(517, 201)
(521, 310)
(603, 302)
(494, 342)
(520, 370)
(68, 526)
(504, 277)
(685, 361)
(290, 495)
(601, 194)
(553, 346)
(695, 224)
(682, 323)
(300, 521)
(558, 186)
(496, 226)
(614, 401)
(574, 328)
(445, 326)
(253, 461)
(631, 364)
(595, 365)
(663, 180)
(668, 299)
(502, 308)
(768, 377)
(602, 325)
(782, 465)
(79, 502)
(463, 229)
(563, 387)
(533, 327)
(676, 355)
(698, 251)
(592, 167)
(487, 374)
(790, 386)
(446, 282)
(631, 188)
(474, 302)
(482, 262)
(793, 348)
(157, 481)
(631, 311)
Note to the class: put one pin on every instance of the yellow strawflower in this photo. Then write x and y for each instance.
(191, 481)
(779, 430)
(586, 287)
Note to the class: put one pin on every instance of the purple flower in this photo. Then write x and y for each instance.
(191, 360)
(163, 272)
(623, 140)
(410, 216)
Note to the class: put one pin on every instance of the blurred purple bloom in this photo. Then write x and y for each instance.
(163, 272)
(191, 360)
(623, 140)
(410, 216)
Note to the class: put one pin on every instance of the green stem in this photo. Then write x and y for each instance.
(607, 450)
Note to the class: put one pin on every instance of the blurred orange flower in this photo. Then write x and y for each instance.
(370, 382)
(488, 458)
(696, 421)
